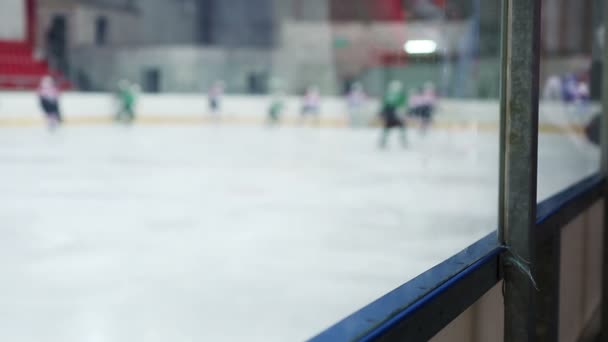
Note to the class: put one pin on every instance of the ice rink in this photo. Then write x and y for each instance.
(224, 233)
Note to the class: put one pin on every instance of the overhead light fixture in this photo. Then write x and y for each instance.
(420, 47)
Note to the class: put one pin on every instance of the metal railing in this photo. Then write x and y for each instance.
(419, 309)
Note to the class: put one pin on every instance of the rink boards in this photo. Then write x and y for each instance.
(22, 108)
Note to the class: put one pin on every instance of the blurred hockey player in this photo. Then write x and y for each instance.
(215, 97)
(582, 98)
(421, 105)
(126, 102)
(569, 88)
(427, 106)
(356, 100)
(277, 101)
(311, 104)
(553, 88)
(393, 104)
(277, 105)
(48, 94)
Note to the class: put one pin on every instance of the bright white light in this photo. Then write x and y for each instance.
(418, 47)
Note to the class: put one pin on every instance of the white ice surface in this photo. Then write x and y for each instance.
(234, 233)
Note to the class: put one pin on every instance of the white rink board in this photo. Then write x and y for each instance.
(73, 104)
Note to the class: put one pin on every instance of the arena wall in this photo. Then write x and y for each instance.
(13, 27)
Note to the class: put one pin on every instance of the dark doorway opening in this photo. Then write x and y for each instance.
(152, 78)
(206, 15)
(101, 31)
(257, 83)
(56, 44)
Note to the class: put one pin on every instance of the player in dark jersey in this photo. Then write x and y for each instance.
(392, 104)
(48, 93)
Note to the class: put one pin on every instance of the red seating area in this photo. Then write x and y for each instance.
(20, 71)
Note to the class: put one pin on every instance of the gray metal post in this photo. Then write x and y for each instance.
(604, 170)
(519, 145)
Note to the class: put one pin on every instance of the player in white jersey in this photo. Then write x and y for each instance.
(311, 104)
(356, 100)
(216, 92)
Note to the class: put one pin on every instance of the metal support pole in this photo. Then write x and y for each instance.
(519, 147)
(604, 170)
